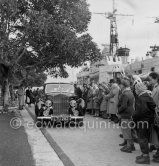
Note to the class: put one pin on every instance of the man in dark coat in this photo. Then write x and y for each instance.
(84, 96)
(78, 91)
(144, 117)
(29, 96)
(125, 111)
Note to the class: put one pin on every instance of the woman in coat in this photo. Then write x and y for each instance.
(154, 80)
(96, 100)
(112, 98)
(90, 99)
(103, 104)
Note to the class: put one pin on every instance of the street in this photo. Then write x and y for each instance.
(93, 145)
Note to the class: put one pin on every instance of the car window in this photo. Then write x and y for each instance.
(62, 88)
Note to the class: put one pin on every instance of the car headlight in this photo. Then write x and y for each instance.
(75, 113)
(48, 103)
(46, 113)
(73, 103)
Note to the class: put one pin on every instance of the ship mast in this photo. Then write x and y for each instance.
(114, 41)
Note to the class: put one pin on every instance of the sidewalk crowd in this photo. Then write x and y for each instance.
(132, 103)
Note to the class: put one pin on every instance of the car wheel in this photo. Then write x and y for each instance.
(38, 123)
(80, 123)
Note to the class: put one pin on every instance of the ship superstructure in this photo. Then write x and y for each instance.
(114, 58)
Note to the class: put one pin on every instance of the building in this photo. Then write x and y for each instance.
(105, 69)
(143, 67)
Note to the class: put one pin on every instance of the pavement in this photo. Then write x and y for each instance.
(94, 144)
(43, 153)
(22, 143)
(14, 146)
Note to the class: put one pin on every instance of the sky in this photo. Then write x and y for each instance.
(137, 32)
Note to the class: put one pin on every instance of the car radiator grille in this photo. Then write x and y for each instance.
(61, 104)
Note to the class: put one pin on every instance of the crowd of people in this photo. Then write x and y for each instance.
(132, 103)
(100, 99)
(129, 101)
(27, 97)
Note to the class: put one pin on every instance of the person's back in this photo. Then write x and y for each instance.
(144, 106)
(144, 112)
(128, 98)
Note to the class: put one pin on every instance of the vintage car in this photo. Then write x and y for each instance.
(60, 104)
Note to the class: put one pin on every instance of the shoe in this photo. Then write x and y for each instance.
(123, 144)
(105, 116)
(156, 160)
(133, 147)
(156, 155)
(139, 157)
(121, 135)
(152, 148)
(143, 160)
(111, 118)
(126, 149)
(116, 120)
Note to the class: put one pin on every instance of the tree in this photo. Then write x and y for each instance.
(44, 35)
(34, 79)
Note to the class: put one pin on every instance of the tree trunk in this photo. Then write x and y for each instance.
(1, 101)
(11, 93)
(5, 93)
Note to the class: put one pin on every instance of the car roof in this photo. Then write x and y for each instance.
(59, 83)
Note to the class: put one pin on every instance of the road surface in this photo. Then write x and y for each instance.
(94, 144)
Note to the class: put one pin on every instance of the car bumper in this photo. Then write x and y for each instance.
(57, 118)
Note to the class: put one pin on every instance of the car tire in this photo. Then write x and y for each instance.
(38, 123)
(80, 123)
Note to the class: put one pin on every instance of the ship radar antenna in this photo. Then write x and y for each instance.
(114, 41)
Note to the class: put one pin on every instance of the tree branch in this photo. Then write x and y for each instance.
(21, 55)
(30, 66)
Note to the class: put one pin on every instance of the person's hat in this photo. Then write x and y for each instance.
(126, 78)
(140, 87)
(125, 82)
(111, 81)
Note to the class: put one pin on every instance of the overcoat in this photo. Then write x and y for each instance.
(155, 129)
(90, 99)
(113, 99)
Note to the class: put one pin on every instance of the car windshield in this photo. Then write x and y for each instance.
(62, 88)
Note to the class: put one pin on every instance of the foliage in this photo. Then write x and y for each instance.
(34, 79)
(44, 35)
